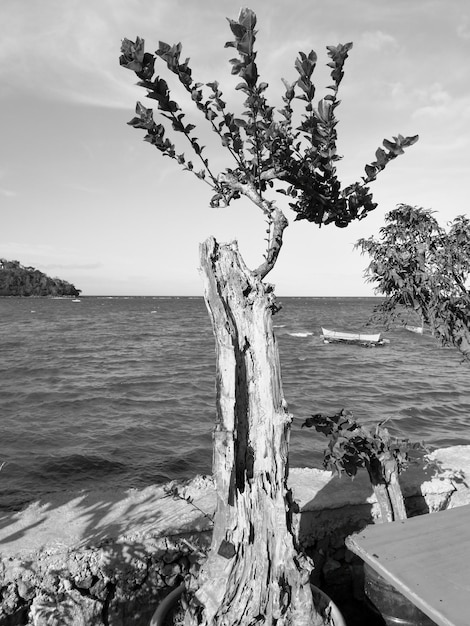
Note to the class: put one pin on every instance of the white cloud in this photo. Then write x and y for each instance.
(4, 191)
(7, 193)
(69, 49)
(463, 29)
(432, 101)
(44, 256)
(377, 40)
(435, 100)
(71, 266)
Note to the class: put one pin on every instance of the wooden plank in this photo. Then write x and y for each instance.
(426, 558)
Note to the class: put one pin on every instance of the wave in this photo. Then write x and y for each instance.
(106, 395)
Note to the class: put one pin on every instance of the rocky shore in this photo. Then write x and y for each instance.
(107, 559)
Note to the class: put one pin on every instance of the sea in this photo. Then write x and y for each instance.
(110, 393)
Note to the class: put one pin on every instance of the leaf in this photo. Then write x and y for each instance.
(381, 156)
(237, 29)
(250, 74)
(239, 122)
(409, 141)
(132, 54)
(370, 171)
(388, 144)
(303, 85)
(247, 18)
(163, 48)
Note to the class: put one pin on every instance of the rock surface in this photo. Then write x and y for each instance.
(107, 559)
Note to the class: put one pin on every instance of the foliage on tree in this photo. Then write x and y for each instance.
(267, 148)
(16, 280)
(418, 265)
(352, 446)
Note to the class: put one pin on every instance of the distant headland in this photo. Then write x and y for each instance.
(17, 280)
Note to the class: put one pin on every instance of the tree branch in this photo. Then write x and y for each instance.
(276, 217)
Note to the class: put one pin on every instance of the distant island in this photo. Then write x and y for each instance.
(16, 280)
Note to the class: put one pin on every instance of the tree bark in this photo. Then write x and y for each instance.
(383, 500)
(394, 490)
(384, 478)
(254, 573)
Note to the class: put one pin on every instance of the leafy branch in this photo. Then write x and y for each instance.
(172, 490)
(352, 446)
(267, 148)
(311, 173)
(417, 265)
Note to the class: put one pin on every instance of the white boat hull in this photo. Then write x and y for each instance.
(337, 336)
(415, 329)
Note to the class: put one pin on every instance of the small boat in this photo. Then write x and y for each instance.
(332, 336)
(415, 329)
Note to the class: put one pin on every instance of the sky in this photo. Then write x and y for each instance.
(84, 198)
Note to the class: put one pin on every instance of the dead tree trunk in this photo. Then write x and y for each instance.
(395, 494)
(384, 478)
(254, 573)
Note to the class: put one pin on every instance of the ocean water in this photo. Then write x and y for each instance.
(119, 392)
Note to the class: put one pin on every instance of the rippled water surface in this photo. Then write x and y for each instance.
(119, 392)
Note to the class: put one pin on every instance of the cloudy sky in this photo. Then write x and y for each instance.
(82, 196)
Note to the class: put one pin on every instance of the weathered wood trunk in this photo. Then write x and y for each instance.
(394, 490)
(254, 573)
(384, 479)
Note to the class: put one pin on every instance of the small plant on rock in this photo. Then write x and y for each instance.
(352, 446)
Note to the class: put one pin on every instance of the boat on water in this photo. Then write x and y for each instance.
(415, 329)
(335, 336)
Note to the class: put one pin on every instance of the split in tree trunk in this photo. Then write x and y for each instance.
(384, 479)
(254, 573)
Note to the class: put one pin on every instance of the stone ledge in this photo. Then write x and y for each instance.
(86, 519)
(106, 558)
